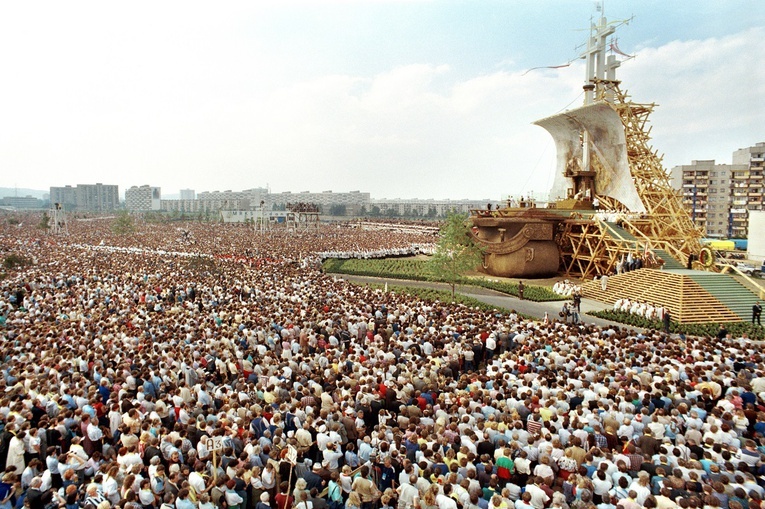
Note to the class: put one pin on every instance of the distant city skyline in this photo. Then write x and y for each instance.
(409, 99)
(43, 193)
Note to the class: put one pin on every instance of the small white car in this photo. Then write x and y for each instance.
(746, 269)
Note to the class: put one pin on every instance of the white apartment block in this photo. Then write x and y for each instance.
(719, 197)
(143, 198)
(90, 197)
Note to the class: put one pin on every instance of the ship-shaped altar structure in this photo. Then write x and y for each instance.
(611, 200)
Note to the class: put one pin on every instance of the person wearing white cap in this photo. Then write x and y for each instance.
(322, 436)
(264, 501)
(491, 346)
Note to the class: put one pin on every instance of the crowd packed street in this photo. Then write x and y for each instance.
(220, 368)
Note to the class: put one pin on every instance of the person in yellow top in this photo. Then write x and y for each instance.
(714, 388)
(497, 502)
(449, 458)
(547, 411)
(462, 454)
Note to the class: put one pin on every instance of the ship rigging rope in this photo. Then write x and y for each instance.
(569, 104)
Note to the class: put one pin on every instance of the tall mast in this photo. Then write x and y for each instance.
(596, 68)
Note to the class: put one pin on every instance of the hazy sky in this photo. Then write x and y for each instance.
(411, 99)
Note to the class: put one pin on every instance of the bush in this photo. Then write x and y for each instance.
(737, 329)
(398, 268)
(13, 261)
(123, 224)
(535, 293)
(412, 269)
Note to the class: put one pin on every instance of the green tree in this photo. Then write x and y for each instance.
(337, 210)
(13, 261)
(456, 253)
(123, 224)
(154, 217)
(44, 223)
(375, 211)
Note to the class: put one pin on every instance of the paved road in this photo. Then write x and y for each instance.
(528, 307)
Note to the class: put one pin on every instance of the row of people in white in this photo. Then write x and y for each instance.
(640, 308)
(380, 253)
(566, 288)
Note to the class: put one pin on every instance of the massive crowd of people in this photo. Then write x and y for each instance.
(144, 371)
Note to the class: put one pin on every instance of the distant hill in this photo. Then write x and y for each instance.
(22, 191)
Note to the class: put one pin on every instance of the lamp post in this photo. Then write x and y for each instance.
(262, 217)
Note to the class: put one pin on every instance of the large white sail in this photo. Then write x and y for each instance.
(607, 143)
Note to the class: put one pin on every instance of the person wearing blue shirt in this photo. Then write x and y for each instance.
(387, 475)
(71, 405)
(699, 411)
(149, 389)
(182, 501)
(103, 390)
(351, 458)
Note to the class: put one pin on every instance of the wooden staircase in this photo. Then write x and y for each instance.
(729, 291)
(669, 261)
(686, 299)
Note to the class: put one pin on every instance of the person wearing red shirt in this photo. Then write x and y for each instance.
(283, 499)
(421, 401)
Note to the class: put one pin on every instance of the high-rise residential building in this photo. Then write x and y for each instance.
(143, 198)
(65, 196)
(91, 197)
(97, 197)
(719, 196)
(705, 188)
(746, 186)
(231, 200)
(423, 208)
(239, 204)
(188, 194)
(351, 202)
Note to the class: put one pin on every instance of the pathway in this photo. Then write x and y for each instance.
(528, 307)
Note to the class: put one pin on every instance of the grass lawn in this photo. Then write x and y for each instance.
(414, 269)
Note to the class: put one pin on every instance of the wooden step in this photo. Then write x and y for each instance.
(688, 301)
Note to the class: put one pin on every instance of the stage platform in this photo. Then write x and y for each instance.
(692, 296)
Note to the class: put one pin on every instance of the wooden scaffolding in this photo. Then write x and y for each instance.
(590, 246)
